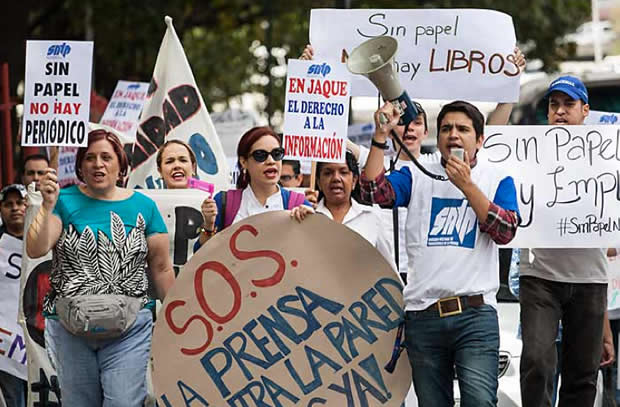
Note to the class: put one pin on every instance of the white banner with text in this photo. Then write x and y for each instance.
(57, 93)
(567, 180)
(125, 107)
(442, 53)
(316, 111)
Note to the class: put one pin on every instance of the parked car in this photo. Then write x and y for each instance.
(603, 89)
(583, 38)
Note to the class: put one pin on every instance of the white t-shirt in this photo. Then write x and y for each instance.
(365, 220)
(10, 277)
(448, 255)
(386, 214)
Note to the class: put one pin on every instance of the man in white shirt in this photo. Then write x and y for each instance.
(12, 370)
(453, 228)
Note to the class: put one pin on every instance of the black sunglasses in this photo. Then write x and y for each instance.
(261, 155)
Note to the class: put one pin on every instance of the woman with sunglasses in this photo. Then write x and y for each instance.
(260, 155)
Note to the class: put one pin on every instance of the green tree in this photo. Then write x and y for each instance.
(539, 24)
(237, 46)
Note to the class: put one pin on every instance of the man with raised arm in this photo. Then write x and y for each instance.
(453, 228)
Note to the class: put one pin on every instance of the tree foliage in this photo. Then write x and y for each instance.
(237, 46)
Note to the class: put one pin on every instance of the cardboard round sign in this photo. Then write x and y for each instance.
(272, 312)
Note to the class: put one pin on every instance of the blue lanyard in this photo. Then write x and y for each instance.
(398, 348)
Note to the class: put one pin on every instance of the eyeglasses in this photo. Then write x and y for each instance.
(261, 155)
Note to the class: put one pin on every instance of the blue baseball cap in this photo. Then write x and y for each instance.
(570, 85)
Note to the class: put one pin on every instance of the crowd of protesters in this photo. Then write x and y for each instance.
(105, 239)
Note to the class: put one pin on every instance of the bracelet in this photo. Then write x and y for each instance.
(207, 232)
(382, 146)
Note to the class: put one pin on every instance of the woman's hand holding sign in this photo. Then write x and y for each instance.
(209, 213)
(300, 212)
(49, 189)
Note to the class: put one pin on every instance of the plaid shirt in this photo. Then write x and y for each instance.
(500, 225)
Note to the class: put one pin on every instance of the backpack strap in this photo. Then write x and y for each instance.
(220, 202)
(293, 200)
(231, 205)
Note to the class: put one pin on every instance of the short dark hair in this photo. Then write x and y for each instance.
(100, 134)
(353, 165)
(36, 157)
(295, 164)
(466, 108)
(422, 112)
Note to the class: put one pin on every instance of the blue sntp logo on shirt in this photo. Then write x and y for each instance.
(453, 223)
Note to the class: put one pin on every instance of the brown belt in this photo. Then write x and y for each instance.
(455, 305)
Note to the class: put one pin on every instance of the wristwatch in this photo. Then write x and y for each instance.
(382, 146)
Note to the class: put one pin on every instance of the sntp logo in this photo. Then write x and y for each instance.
(58, 51)
(317, 69)
(608, 119)
(453, 223)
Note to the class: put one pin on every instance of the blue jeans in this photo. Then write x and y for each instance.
(468, 341)
(13, 389)
(108, 373)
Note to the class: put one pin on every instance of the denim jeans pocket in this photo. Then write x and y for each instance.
(484, 308)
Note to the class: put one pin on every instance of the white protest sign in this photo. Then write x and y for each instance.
(442, 54)
(613, 285)
(57, 93)
(174, 109)
(230, 125)
(316, 111)
(180, 210)
(567, 180)
(66, 166)
(12, 343)
(281, 319)
(42, 379)
(597, 117)
(361, 133)
(125, 106)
